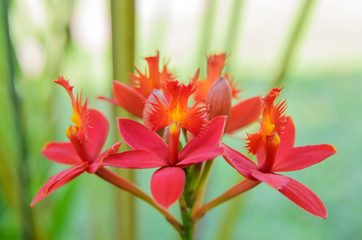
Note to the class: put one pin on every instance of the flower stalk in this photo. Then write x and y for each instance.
(128, 186)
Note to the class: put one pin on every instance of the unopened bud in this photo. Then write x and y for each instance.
(219, 98)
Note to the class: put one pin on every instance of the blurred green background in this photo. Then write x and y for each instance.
(313, 48)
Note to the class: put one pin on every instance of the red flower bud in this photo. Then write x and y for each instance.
(219, 98)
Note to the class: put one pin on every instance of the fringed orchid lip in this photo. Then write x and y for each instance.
(80, 112)
(160, 113)
(273, 121)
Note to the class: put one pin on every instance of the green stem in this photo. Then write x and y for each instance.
(293, 41)
(233, 30)
(200, 188)
(23, 166)
(128, 186)
(238, 189)
(123, 41)
(206, 29)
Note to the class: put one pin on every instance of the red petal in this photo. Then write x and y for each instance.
(294, 191)
(302, 157)
(304, 198)
(59, 180)
(244, 113)
(210, 137)
(200, 155)
(61, 152)
(139, 137)
(134, 159)
(167, 185)
(287, 137)
(276, 181)
(99, 161)
(215, 64)
(97, 132)
(128, 98)
(238, 161)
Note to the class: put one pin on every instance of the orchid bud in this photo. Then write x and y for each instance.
(219, 98)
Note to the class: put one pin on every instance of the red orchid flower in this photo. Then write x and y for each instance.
(132, 98)
(160, 113)
(244, 112)
(150, 151)
(274, 147)
(87, 138)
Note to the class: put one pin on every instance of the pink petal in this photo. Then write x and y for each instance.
(200, 155)
(276, 181)
(304, 198)
(61, 152)
(244, 113)
(134, 159)
(99, 161)
(294, 191)
(238, 161)
(128, 98)
(287, 137)
(139, 137)
(59, 180)
(96, 132)
(210, 137)
(167, 185)
(302, 157)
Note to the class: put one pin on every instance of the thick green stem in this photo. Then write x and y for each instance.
(128, 186)
(238, 189)
(123, 40)
(293, 41)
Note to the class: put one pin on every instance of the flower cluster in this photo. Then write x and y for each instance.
(181, 135)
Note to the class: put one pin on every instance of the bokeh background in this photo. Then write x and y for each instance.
(313, 48)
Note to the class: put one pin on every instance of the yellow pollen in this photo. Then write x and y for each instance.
(174, 128)
(275, 141)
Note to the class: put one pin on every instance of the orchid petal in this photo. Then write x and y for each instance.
(99, 160)
(59, 180)
(244, 113)
(200, 155)
(167, 185)
(139, 137)
(287, 137)
(96, 132)
(276, 181)
(238, 161)
(210, 137)
(128, 98)
(294, 191)
(302, 157)
(61, 152)
(134, 159)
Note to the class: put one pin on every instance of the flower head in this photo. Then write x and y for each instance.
(160, 115)
(274, 147)
(150, 151)
(132, 98)
(87, 138)
(242, 113)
